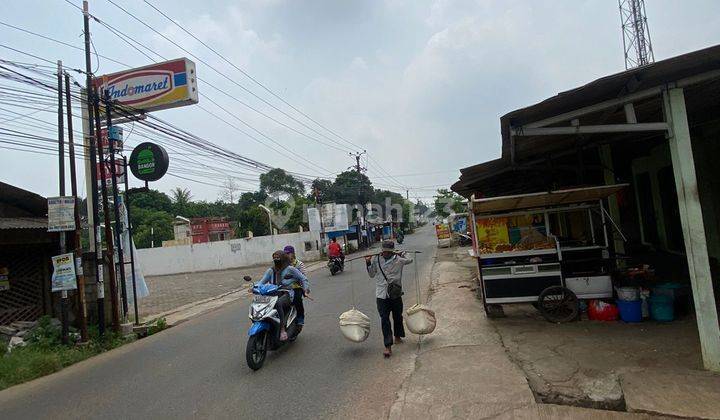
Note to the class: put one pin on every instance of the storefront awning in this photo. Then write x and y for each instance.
(544, 199)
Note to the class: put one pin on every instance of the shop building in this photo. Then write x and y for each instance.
(655, 128)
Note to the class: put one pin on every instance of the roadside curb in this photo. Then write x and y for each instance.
(191, 310)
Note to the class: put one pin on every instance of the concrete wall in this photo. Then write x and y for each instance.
(225, 254)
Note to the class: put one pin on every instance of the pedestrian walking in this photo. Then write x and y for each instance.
(388, 292)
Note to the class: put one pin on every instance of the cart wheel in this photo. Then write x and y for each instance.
(558, 304)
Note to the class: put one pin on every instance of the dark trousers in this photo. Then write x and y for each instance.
(283, 307)
(298, 303)
(386, 307)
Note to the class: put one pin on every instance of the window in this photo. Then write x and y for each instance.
(308, 246)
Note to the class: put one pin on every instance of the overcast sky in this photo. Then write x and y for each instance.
(420, 84)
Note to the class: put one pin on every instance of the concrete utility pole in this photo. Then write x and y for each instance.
(61, 173)
(359, 169)
(92, 187)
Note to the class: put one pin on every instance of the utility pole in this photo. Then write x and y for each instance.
(116, 203)
(359, 169)
(82, 312)
(92, 185)
(106, 212)
(61, 173)
(130, 242)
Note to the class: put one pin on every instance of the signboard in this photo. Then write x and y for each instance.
(4, 279)
(169, 84)
(61, 214)
(442, 231)
(460, 225)
(492, 231)
(63, 277)
(334, 217)
(149, 161)
(116, 135)
(119, 173)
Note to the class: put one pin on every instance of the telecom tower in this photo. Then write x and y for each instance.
(636, 34)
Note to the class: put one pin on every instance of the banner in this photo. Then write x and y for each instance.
(63, 277)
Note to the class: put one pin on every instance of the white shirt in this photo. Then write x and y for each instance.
(393, 271)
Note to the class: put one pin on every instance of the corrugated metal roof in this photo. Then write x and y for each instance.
(544, 199)
(606, 88)
(30, 202)
(23, 223)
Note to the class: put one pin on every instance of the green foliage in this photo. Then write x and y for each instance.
(277, 181)
(323, 188)
(447, 201)
(159, 325)
(351, 187)
(151, 199)
(44, 354)
(149, 224)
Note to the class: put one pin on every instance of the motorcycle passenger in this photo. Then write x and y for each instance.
(298, 289)
(335, 251)
(276, 275)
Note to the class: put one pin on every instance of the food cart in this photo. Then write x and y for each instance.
(550, 249)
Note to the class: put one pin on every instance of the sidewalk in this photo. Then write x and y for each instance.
(462, 369)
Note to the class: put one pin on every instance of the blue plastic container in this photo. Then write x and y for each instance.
(630, 310)
(661, 308)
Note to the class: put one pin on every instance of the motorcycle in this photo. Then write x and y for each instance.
(336, 265)
(400, 238)
(264, 333)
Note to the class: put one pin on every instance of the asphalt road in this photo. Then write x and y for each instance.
(197, 369)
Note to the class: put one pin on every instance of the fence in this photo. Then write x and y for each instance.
(225, 254)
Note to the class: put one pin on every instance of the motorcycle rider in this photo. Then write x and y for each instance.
(335, 251)
(276, 275)
(299, 293)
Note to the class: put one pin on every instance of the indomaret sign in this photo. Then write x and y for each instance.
(159, 86)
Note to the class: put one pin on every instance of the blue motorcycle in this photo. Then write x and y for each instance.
(264, 333)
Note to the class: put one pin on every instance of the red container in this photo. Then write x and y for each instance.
(599, 310)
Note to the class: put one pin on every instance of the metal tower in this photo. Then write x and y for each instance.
(636, 34)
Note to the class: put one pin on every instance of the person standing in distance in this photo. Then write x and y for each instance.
(388, 292)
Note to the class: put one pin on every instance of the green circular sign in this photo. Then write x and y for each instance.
(149, 161)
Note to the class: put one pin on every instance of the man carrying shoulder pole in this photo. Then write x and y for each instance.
(388, 292)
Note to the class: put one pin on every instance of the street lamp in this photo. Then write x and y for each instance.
(269, 213)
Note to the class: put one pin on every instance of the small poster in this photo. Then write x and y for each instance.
(61, 214)
(442, 231)
(63, 277)
(4, 279)
(492, 231)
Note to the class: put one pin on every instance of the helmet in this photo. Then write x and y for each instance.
(289, 249)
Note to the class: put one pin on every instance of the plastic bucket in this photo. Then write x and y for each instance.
(628, 293)
(661, 308)
(630, 310)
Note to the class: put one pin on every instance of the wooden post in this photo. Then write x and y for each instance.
(691, 218)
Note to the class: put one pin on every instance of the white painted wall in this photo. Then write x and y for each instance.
(225, 254)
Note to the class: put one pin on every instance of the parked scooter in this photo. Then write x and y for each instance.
(400, 237)
(264, 333)
(336, 265)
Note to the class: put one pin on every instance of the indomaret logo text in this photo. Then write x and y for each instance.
(140, 87)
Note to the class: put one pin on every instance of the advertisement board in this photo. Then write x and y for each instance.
(442, 231)
(116, 135)
(61, 214)
(63, 277)
(119, 173)
(169, 84)
(492, 231)
(334, 217)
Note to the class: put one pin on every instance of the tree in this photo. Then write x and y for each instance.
(181, 198)
(323, 187)
(277, 181)
(352, 187)
(230, 190)
(447, 201)
(150, 199)
(151, 225)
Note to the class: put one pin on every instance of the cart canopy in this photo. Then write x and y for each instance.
(543, 199)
